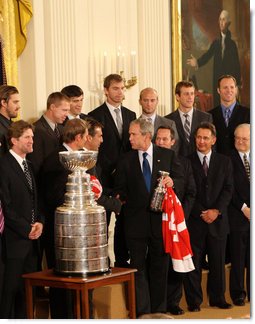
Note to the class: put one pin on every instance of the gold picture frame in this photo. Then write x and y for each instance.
(193, 30)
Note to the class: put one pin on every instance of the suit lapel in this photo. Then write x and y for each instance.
(47, 127)
(110, 120)
(179, 126)
(18, 170)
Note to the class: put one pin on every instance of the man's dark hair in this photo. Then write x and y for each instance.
(206, 125)
(6, 91)
(183, 84)
(226, 76)
(110, 78)
(72, 128)
(56, 98)
(17, 129)
(72, 91)
(92, 124)
(172, 132)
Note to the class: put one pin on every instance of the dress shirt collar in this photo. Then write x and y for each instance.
(231, 108)
(149, 151)
(241, 154)
(201, 157)
(18, 158)
(153, 117)
(69, 149)
(51, 124)
(190, 113)
(112, 112)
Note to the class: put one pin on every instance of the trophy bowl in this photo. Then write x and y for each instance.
(78, 160)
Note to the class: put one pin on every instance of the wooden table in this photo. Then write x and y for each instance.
(81, 285)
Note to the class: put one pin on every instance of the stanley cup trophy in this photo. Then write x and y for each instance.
(80, 224)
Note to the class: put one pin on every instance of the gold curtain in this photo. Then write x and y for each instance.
(9, 41)
(14, 17)
(23, 14)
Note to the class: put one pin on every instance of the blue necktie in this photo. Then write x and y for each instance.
(146, 171)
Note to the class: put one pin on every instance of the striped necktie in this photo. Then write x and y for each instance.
(227, 116)
(1, 219)
(246, 165)
(186, 127)
(30, 183)
(56, 131)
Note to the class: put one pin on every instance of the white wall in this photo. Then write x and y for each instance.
(67, 40)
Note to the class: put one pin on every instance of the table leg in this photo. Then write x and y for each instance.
(77, 305)
(29, 299)
(131, 296)
(85, 302)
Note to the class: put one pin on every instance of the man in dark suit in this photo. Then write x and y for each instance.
(115, 129)
(9, 108)
(239, 217)
(76, 96)
(165, 137)
(208, 221)
(48, 129)
(186, 117)
(23, 221)
(228, 114)
(136, 179)
(115, 120)
(149, 102)
(225, 55)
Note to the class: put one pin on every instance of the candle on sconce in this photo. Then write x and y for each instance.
(123, 62)
(133, 63)
(118, 62)
(105, 70)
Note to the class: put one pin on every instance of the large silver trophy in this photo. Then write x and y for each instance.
(80, 224)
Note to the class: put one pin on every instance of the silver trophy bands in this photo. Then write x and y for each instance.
(159, 193)
(80, 224)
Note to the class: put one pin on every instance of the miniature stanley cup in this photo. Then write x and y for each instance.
(159, 193)
(80, 224)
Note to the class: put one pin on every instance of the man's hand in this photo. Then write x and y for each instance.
(167, 181)
(36, 231)
(209, 215)
(246, 212)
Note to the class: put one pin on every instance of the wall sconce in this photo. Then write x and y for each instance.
(129, 83)
(120, 63)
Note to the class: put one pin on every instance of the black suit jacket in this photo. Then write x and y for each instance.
(82, 116)
(139, 221)
(18, 201)
(225, 135)
(4, 125)
(54, 179)
(185, 147)
(45, 142)
(241, 195)
(113, 146)
(213, 192)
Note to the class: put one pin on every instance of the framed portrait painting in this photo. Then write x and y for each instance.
(210, 39)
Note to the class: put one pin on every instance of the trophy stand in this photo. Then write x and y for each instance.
(80, 226)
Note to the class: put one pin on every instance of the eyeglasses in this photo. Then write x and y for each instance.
(241, 139)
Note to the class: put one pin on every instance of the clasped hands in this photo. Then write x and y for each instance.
(209, 215)
(36, 231)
